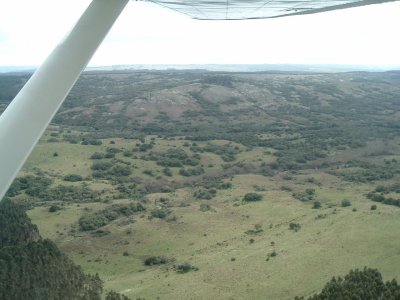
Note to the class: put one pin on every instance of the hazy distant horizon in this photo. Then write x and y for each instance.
(226, 67)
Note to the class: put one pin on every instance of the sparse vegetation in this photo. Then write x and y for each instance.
(257, 230)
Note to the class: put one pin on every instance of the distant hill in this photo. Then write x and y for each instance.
(249, 67)
(12, 69)
(330, 68)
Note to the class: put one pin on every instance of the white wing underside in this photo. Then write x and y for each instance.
(257, 9)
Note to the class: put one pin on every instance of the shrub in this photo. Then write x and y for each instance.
(185, 267)
(54, 208)
(73, 178)
(101, 166)
(160, 213)
(251, 197)
(112, 295)
(316, 205)
(257, 229)
(97, 155)
(92, 222)
(191, 171)
(373, 207)
(156, 260)
(294, 226)
(113, 150)
(273, 254)
(128, 153)
(205, 194)
(148, 172)
(346, 203)
(120, 170)
(167, 171)
(310, 192)
(109, 155)
(205, 207)
(94, 142)
(225, 186)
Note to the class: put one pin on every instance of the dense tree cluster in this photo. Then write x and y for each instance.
(174, 158)
(366, 284)
(15, 227)
(33, 268)
(380, 194)
(205, 193)
(29, 184)
(10, 84)
(92, 221)
(39, 187)
(307, 195)
(113, 295)
(369, 172)
(191, 171)
(227, 151)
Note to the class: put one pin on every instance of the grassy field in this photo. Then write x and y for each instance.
(233, 262)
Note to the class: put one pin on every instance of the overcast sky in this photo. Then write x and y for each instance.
(148, 34)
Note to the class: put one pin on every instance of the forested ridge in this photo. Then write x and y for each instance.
(34, 268)
(366, 284)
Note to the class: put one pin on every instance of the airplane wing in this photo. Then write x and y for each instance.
(257, 9)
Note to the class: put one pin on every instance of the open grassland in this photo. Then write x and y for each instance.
(234, 260)
(230, 266)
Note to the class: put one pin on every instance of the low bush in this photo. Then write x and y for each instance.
(346, 203)
(251, 197)
(156, 260)
(185, 267)
(54, 208)
(73, 178)
(294, 226)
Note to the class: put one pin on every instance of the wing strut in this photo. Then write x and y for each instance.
(27, 116)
